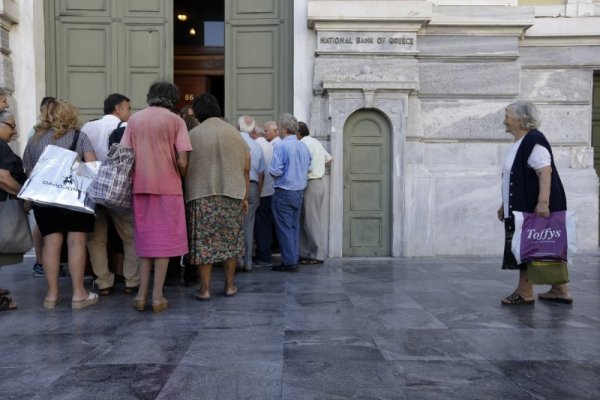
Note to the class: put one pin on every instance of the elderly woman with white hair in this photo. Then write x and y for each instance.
(530, 183)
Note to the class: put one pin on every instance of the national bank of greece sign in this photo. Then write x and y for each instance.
(366, 42)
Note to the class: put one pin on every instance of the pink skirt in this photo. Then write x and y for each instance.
(159, 225)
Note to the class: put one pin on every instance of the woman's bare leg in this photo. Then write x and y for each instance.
(145, 268)
(160, 272)
(51, 247)
(205, 271)
(76, 245)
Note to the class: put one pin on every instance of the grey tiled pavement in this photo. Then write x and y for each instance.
(425, 328)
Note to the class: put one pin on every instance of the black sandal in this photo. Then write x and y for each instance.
(106, 291)
(516, 299)
(6, 304)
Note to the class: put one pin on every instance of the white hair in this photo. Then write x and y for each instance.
(246, 123)
(526, 113)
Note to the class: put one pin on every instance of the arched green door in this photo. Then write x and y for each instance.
(367, 185)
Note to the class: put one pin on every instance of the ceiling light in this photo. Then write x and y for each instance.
(182, 17)
(193, 32)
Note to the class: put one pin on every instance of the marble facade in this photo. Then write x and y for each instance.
(444, 96)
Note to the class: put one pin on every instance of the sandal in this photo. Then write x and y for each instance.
(548, 296)
(51, 304)
(131, 289)
(79, 304)
(230, 294)
(516, 299)
(311, 261)
(160, 306)
(198, 296)
(106, 291)
(139, 304)
(6, 304)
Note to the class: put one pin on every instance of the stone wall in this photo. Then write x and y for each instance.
(469, 63)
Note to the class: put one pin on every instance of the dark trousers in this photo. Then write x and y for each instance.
(286, 206)
(263, 230)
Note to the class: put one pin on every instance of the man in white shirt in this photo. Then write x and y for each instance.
(263, 225)
(312, 249)
(117, 109)
(271, 133)
(246, 125)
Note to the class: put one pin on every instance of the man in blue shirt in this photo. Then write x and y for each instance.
(246, 126)
(289, 167)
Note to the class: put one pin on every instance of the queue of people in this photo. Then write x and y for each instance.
(216, 193)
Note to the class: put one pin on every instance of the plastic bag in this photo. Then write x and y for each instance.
(59, 179)
(539, 238)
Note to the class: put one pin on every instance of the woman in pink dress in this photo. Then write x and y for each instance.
(161, 144)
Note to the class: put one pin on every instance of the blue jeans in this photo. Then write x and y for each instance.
(286, 206)
(263, 229)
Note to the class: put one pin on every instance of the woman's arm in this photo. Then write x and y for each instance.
(247, 165)
(8, 183)
(182, 163)
(545, 177)
(89, 156)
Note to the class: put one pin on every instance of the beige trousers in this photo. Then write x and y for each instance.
(311, 228)
(97, 242)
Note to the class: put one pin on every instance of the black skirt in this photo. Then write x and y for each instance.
(55, 219)
(509, 261)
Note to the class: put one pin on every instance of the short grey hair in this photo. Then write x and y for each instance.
(163, 94)
(526, 113)
(260, 131)
(270, 123)
(246, 123)
(288, 122)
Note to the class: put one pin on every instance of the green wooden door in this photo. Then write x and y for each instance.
(98, 47)
(367, 185)
(258, 58)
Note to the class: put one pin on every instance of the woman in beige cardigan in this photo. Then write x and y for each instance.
(216, 187)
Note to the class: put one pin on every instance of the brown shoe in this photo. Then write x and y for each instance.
(131, 289)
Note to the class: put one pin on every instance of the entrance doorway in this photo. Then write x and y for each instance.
(367, 185)
(199, 49)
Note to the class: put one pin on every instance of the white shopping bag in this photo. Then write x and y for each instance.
(59, 179)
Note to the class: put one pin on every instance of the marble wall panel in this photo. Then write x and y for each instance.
(415, 152)
(581, 187)
(582, 157)
(467, 46)
(418, 219)
(561, 56)
(561, 85)
(466, 202)
(364, 68)
(562, 157)
(574, 157)
(568, 124)
(414, 123)
(468, 154)
(463, 119)
(319, 117)
(499, 78)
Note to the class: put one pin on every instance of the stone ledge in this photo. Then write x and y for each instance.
(408, 15)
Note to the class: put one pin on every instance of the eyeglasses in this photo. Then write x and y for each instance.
(13, 126)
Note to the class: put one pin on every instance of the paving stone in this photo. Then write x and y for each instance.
(425, 328)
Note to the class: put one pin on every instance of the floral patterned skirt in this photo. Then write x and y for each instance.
(509, 261)
(215, 229)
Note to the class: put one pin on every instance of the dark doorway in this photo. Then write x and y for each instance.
(199, 49)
